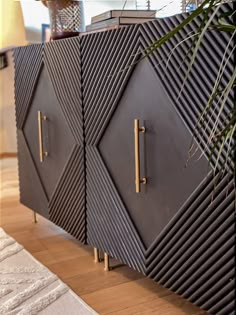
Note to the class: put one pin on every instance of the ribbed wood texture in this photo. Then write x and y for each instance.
(26, 77)
(32, 193)
(63, 62)
(67, 205)
(106, 59)
(195, 253)
(109, 225)
(171, 63)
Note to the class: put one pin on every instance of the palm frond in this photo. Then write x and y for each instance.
(221, 134)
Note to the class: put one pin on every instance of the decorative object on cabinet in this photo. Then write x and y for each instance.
(116, 22)
(66, 18)
(173, 231)
(124, 13)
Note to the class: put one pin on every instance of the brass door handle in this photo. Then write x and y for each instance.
(143, 180)
(42, 153)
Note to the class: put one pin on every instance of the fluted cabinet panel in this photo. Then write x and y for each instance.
(107, 59)
(214, 63)
(32, 193)
(194, 255)
(109, 225)
(67, 205)
(26, 78)
(63, 62)
(48, 80)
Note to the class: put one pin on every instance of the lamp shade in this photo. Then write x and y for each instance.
(12, 30)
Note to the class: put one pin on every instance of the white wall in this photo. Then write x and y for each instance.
(166, 7)
(35, 14)
(12, 33)
(7, 108)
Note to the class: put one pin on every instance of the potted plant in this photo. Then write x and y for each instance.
(222, 136)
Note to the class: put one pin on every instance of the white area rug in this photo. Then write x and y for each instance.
(27, 287)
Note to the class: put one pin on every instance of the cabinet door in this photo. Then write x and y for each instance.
(52, 141)
(180, 229)
(28, 64)
(194, 255)
(163, 154)
(121, 221)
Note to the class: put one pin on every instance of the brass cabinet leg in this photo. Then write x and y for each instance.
(96, 255)
(35, 217)
(106, 262)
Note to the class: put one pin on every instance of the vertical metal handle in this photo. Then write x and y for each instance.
(143, 180)
(40, 133)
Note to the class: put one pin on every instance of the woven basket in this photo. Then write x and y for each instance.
(66, 17)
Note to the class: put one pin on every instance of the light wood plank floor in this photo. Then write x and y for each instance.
(121, 291)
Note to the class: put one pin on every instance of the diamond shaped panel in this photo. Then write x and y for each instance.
(163, 154)
(57, 137)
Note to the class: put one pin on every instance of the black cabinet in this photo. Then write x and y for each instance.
(50, 135)
(28, 65)
(180, 228)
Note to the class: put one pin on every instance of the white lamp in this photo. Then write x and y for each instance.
(12, 33)
(12, 30)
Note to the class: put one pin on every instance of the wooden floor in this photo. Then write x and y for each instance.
(121, 291)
